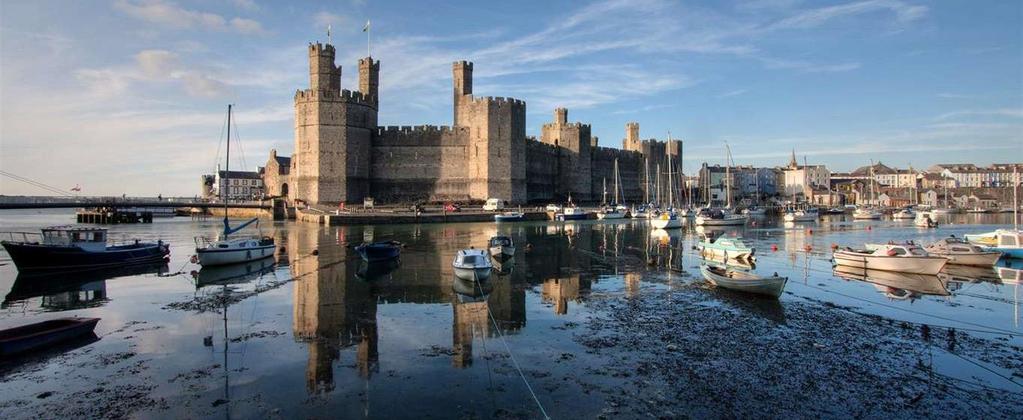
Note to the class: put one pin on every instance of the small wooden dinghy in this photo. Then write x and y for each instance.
(741, 281)
(43, 334)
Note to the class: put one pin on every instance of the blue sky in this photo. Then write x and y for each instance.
(128, 96)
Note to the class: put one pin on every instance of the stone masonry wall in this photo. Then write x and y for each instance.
(422, 163)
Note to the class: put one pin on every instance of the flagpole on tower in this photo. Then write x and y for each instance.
(328, 33)
(366, 30)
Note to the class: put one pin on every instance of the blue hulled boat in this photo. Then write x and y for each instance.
(66, 248)
(379, 251)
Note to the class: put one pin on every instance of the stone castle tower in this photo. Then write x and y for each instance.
(333, 131)
(574, 145)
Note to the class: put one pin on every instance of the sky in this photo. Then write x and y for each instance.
(129, 96)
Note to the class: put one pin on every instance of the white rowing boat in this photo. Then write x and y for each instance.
(742, 281)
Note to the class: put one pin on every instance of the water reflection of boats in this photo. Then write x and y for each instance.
(370, 271)
(471, 291)
(233, 273)
(895, 284)
(72, 291)
(1009, 275)
(969, 274)
(503, 267)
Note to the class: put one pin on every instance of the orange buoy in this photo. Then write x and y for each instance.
(809, 231)
(868, 227)
(808, 248)
(774, 247)
(834, 246)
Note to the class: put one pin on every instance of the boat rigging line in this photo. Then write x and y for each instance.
(38, 184)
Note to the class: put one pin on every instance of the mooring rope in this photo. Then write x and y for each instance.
(515, 362)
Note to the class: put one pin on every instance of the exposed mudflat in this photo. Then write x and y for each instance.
(699, 353)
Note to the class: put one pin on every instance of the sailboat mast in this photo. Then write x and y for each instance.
(646, 179)
(1015, 198)
(616, 184)
(728, 177)
(227, 171)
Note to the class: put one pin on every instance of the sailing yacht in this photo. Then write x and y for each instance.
(725, 216)
(668, 218)
(613, 211)
(225, 249)
(868, 213)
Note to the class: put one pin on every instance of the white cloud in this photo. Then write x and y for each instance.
(169, 14)
(731, 93)
(816, 17)
(1002, 112)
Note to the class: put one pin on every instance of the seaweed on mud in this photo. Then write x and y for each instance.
(682, 357)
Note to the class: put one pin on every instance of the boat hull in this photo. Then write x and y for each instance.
(378, 251)
(703, 221)
(210, 257)
(473, 273)
(979, 259)
(913, 265)
(610, 216)
(42, 334)
(502, 251)
(564, 217)
(508, 218)
(40, 258)
(765, 286)
(659, 223)
(800, 218)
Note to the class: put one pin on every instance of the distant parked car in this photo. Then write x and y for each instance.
(493, 204)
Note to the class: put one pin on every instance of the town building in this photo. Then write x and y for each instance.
(239, 185)
(801, 179)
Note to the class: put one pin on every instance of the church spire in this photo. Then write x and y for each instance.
(793, 163)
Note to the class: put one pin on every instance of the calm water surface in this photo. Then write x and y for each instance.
(315, 328)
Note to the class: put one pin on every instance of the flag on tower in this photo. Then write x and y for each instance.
(366, 27)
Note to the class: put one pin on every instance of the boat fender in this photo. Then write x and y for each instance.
(194, 259)
(891, 252)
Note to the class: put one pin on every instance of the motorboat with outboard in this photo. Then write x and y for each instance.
(925, 219)
(726, 247)
(906, 258)
(961, 252)
(501, 247)
(472, 264)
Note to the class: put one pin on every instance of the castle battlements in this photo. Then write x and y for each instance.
(498, 100)
(571, 125)
(345, 95)
(407, 130)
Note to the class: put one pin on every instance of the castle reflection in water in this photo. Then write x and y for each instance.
(336, 296)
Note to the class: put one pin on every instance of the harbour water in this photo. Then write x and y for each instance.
(315, 330)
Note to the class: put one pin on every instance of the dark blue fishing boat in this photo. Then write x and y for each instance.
(44, 334)
(379, 251)
(66, 248)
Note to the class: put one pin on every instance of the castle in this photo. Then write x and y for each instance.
(341, 155)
